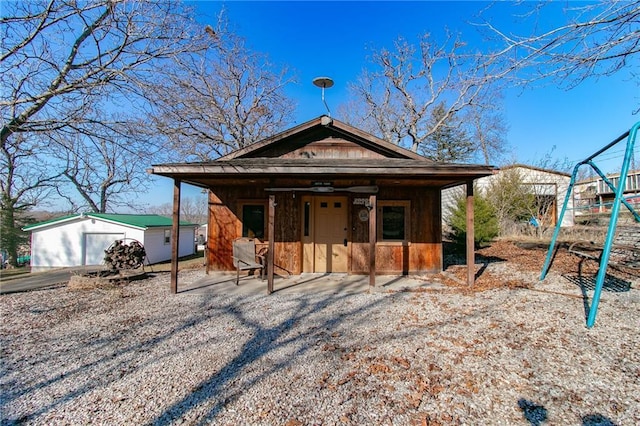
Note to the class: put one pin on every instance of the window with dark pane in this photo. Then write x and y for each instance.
(393, 227)
(253, 221)
(307, 217)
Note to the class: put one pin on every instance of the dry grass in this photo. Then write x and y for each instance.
(195, 261)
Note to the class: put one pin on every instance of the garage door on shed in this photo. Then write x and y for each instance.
(94, 246)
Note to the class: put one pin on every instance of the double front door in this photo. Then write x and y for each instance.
(325, 239)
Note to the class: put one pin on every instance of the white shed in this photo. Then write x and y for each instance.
(80, 240)
(543, 183)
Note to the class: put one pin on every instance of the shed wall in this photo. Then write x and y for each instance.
(541, 182)
(158, 251)
(421, 254)
(65, 244)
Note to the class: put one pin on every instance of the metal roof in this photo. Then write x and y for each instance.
(141, 221)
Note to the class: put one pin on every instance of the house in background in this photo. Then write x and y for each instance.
(325, 197)
(548, 186)
(593, 195)
(81, 239)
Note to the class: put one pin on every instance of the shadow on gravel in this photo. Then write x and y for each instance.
(108, 354)
(485, 260)
(536, 415)
(118, 362)
(588, 283)
(219, 388)
(597, 420)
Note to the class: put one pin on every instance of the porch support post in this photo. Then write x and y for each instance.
(175, 236)
(207, 250)
(372, 239)
(470, 236)
(272, 245)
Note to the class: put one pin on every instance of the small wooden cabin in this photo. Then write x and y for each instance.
(323, 196)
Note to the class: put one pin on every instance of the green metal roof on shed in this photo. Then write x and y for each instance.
(143, 221)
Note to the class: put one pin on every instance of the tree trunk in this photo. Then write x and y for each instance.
(9, 237)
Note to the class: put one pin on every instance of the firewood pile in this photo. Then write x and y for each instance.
(124, 256)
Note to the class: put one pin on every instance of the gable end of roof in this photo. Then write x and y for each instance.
(363, 138)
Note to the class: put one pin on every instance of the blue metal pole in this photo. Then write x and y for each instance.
(606, 252)
(547, 262)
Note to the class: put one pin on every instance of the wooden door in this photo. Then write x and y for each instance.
(330, 234)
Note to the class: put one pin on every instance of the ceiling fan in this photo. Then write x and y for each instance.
(373, 189)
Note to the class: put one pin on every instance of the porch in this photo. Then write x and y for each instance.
(223, 283)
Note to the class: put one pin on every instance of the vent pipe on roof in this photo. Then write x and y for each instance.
(324, 82)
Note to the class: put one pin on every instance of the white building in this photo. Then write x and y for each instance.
(543, 183)
(80, 240)
(593, 195)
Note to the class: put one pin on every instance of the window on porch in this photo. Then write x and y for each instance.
(393, 220)
(253, 221)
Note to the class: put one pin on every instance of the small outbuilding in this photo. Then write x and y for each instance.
(81, 239)
(549, 187)
(325, 197)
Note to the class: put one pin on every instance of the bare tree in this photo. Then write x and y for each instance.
(512, 199)
(195, 210)
(60, 59)
(599, 38)
(525, 202)
(104, 164)
(25, 181)
(409, 82)
(226, 98)
(192, 209)
(488, 127)
(60, 56)
(550, 161)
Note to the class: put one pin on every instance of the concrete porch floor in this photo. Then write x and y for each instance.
(224, 283)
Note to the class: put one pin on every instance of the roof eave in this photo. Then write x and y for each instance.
(222, 169)
(130, 225)
(53, 222)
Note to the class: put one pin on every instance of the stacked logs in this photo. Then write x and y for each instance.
(124, 256)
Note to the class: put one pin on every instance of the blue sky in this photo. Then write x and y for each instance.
(335, 38)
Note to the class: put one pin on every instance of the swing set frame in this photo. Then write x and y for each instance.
(619, 200)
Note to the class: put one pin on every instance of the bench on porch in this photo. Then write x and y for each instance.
(625, 250)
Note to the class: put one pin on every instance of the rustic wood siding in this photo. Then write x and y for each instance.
(332, 148)
(222, 229)
(422, 253)
(225, 225)
(288, 248)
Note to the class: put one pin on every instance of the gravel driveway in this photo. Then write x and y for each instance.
(139, 355)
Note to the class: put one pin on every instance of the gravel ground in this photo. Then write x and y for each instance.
(139, 355)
